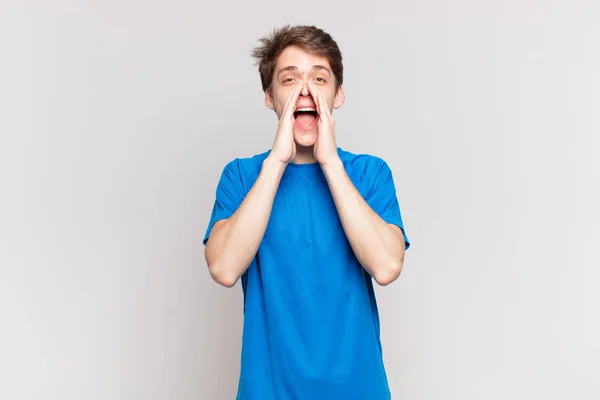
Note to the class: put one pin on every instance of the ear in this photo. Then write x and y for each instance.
(340, 97)
(269, 99)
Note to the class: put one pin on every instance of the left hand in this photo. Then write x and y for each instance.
(325, 149)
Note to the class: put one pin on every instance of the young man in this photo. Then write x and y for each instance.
(307, 226)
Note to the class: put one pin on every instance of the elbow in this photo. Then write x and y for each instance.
(226, 280)
(219, 271)
(222, 276)
(389, 273)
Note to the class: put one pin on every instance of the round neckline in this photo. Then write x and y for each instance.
(310, 165)
(308, 169)
(304, 165)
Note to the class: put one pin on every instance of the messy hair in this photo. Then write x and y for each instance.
(309, 38)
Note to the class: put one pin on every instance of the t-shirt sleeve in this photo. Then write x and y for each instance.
(229, 196)
(383, 200)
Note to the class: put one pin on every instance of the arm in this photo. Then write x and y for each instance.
(378, 246)
(233, 242)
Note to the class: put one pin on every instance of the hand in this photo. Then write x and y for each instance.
(325, 149)
(284, 146)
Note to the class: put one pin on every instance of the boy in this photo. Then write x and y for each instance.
(307, 226)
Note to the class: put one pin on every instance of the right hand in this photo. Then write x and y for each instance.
(284, 146)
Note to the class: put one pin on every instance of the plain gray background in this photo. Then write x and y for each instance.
(117, 118)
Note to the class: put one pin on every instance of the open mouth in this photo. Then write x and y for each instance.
(305, 117)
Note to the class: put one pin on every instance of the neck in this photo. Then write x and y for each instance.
(304, 155)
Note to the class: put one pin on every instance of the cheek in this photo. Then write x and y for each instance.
(279, 104)
(281, 97)
(329, 96)
(330, 101)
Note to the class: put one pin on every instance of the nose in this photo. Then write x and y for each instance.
(305, 91)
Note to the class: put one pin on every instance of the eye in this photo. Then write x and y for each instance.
(287, 80)
(319, 79)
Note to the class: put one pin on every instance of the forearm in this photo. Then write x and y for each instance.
(232, 247)
(377, 246)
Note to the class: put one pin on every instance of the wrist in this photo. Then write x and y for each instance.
(272, 163)
(333, 163)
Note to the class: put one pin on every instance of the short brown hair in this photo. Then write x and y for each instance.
(309, 38)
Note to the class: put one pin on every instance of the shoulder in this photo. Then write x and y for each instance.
(367, 171)
(367, 165)
(247, 167)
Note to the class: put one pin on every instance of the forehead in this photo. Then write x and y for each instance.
(300, 58)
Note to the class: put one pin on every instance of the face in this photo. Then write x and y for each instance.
(293, 65)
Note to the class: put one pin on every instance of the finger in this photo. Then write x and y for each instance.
(315, 95)
(323, 108)
(292, 97)
(290, 104)
(318, 102)
(326, 109)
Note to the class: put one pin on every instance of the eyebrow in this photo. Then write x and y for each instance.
(294, 68)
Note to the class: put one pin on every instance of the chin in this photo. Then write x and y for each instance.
(305, 139)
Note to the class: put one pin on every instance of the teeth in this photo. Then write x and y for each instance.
(306, 109)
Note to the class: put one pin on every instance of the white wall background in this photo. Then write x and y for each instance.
(116, 118)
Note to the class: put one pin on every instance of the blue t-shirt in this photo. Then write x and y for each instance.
(311, 324)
